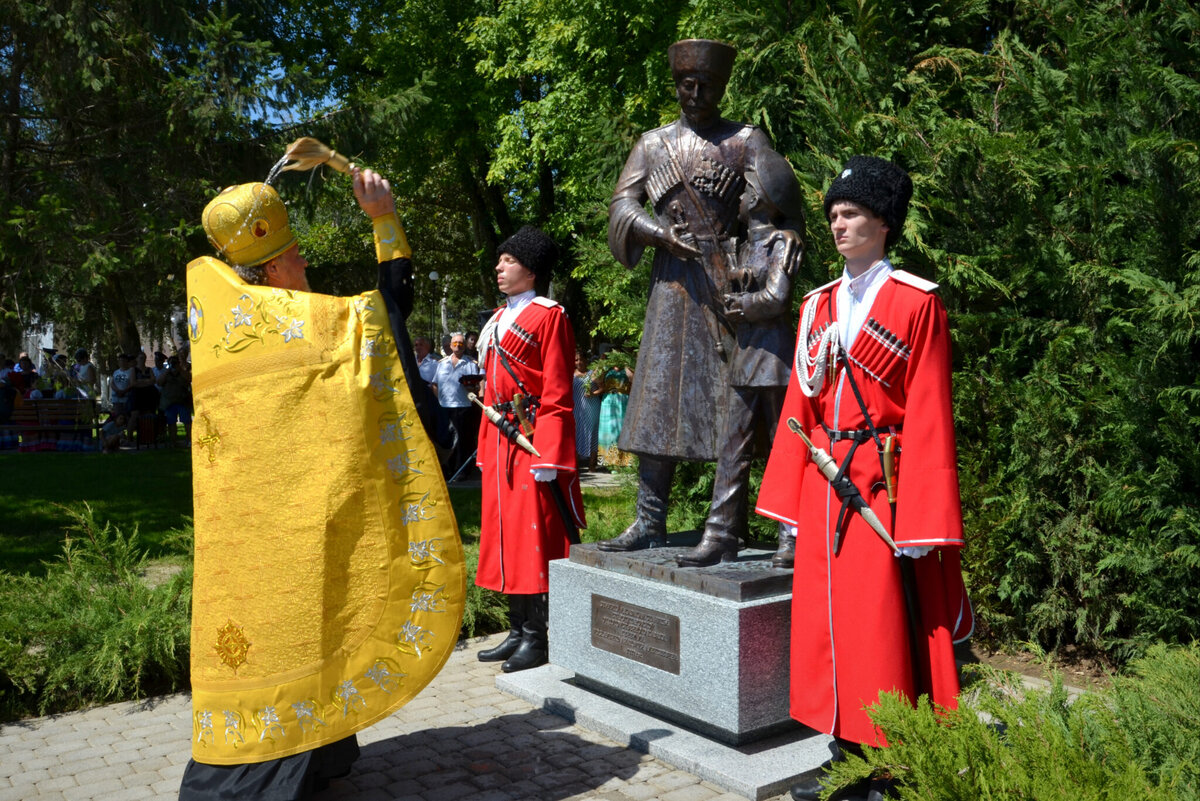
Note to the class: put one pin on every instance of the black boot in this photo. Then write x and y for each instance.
(516, 616)
(810, 789)
(649, 529)
(785, 555)
(534, 648)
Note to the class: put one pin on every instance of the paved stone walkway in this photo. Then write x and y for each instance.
(461, 738)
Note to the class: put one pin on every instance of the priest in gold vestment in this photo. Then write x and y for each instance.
(329, 576)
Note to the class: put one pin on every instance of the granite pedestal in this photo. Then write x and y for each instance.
(689, 665)
(703, 647)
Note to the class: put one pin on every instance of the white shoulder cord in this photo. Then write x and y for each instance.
(487, 338)
(810, 373)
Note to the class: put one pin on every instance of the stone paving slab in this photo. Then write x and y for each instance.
(461, 738)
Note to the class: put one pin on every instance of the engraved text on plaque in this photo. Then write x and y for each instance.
(635, 632)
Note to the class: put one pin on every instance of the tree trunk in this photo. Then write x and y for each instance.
(123, 323)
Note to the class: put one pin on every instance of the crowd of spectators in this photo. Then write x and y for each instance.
(135, 400)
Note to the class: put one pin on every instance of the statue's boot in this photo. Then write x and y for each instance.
(516, 616)
(534, 649)
(717, 545)
(785, 554)
(727, 514)
(649, 528)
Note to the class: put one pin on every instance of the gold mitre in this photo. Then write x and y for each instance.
(248, 224)
(701, 55)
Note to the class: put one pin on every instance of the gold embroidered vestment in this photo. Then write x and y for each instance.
(329, 578)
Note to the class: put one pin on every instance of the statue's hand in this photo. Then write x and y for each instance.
(793, 249)
(735, 306)
(672, 240)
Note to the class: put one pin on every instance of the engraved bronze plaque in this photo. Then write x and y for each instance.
(636, 633)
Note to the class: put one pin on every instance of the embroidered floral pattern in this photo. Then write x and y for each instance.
(292, 329)
(204, 726)
(394, 428)
(416, 512)
(385, 677)
(428, 599)
(404, 463)
(412, 639)
(252, 322)
(349, 697)
(383, 385)
(268, 724)
(306, 716)
(425, 553)
(235, 727)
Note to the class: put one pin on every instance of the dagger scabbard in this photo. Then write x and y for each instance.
(506, 427)
(844, 488)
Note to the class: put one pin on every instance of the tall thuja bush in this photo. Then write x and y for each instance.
(1076, 391)
(1011, 741)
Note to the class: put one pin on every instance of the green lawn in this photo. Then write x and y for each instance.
(149, 489)
(153, 490)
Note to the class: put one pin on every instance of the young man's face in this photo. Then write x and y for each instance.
(699, 96)
(511, 276)
(286, 271)
(857, 232)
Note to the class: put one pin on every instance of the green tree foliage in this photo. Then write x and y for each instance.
(114, 115)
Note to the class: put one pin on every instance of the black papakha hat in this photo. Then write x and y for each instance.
(536, 251)
(879, 185)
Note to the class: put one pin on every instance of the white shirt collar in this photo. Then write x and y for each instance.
(857, 287)
(855, 297)
(513, 306)
(520, 300)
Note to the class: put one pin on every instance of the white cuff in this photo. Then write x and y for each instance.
(545, 473)
(915, 551)
(787, 530)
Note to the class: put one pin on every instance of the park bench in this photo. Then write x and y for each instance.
(51, 425)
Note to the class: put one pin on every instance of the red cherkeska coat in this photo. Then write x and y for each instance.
(849, 627)
(522, 529)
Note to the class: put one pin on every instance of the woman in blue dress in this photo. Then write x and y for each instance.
(587, 412)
